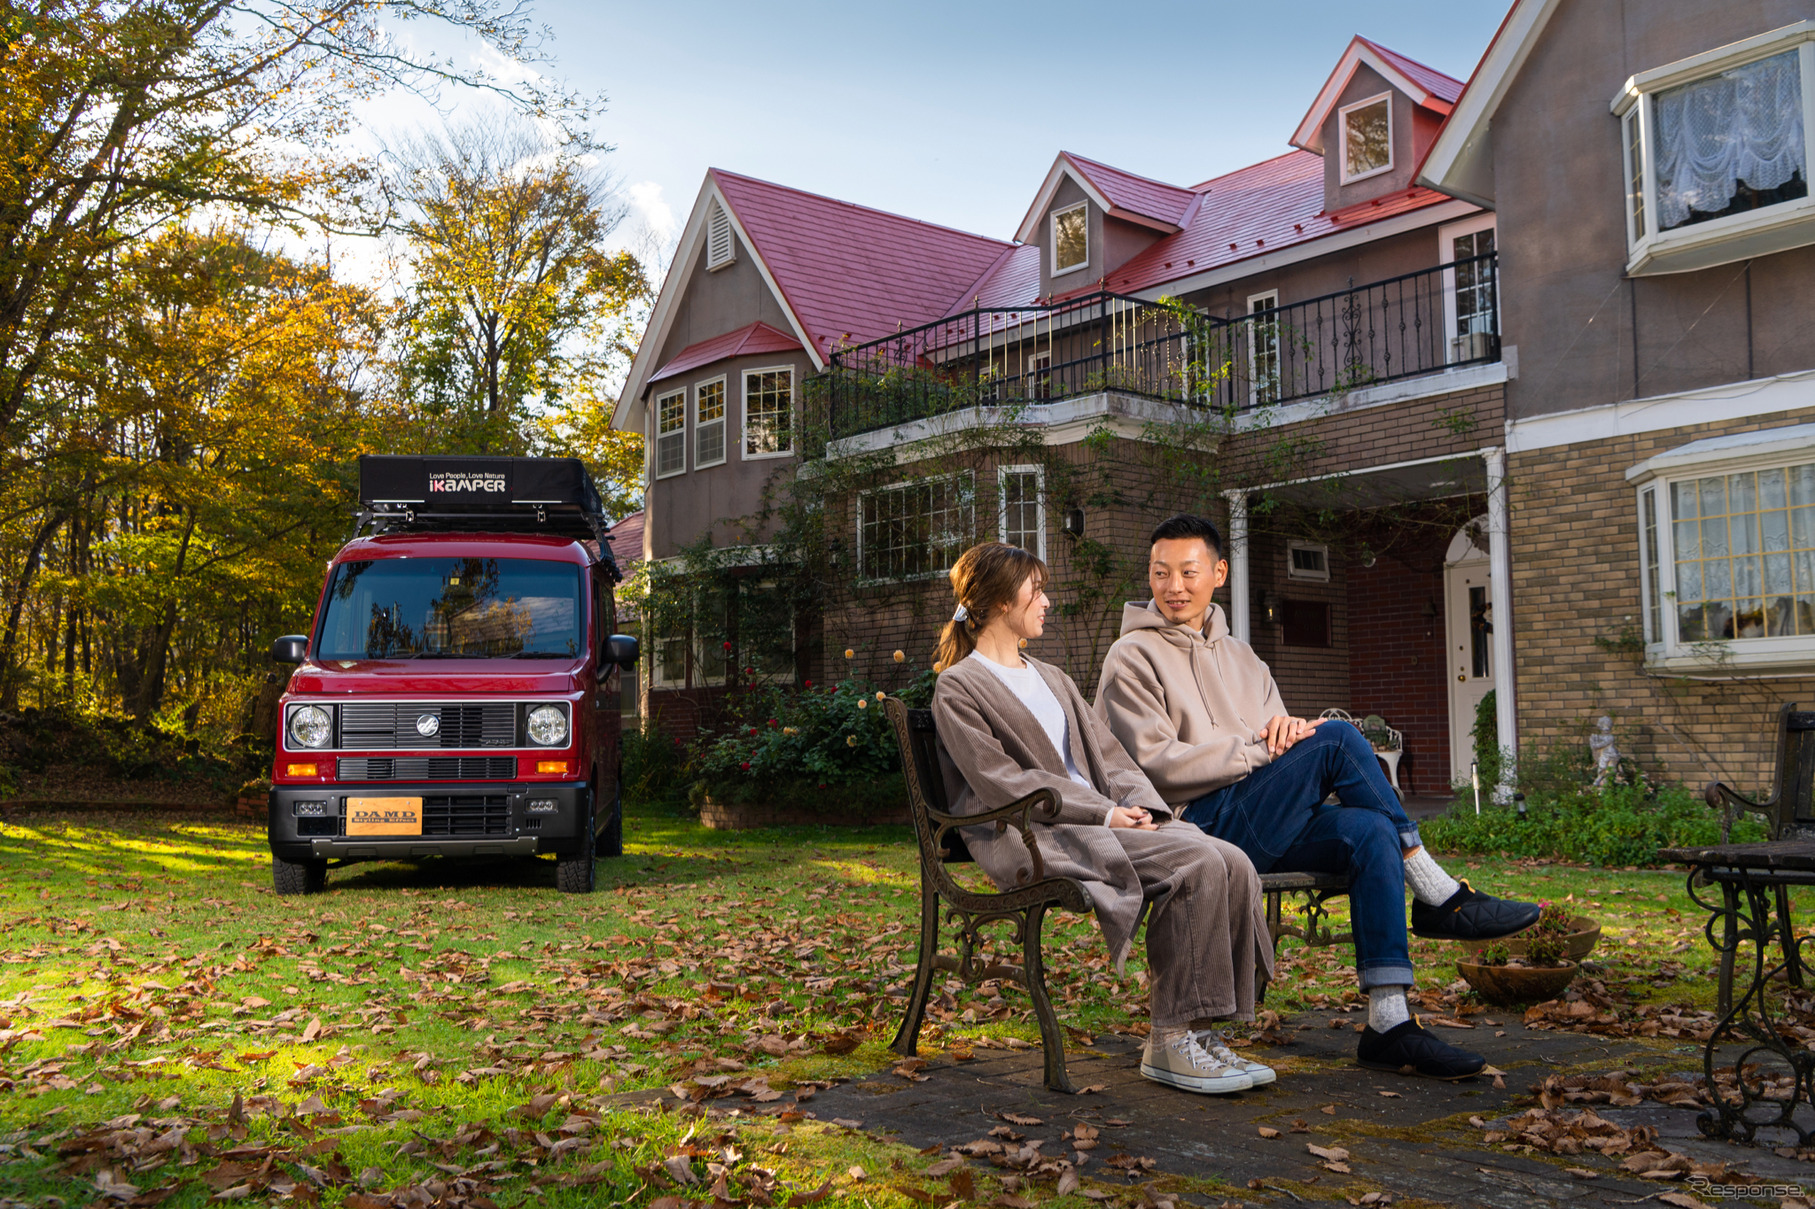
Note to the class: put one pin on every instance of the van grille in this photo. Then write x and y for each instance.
(379, 724)
(428, 768)
(466, 814)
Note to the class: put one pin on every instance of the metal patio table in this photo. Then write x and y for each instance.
(1749, 912)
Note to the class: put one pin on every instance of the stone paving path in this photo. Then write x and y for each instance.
(1406, 1136)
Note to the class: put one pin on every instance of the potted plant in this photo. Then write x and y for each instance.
(1539, 972)
(1578, 934)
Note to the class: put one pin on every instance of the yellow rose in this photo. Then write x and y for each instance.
(900, 657)
(849, 653)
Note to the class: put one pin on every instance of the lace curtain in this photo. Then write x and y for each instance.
(1742, 125)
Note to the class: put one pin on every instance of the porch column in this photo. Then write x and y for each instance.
(1238, 563)
(1499, 559)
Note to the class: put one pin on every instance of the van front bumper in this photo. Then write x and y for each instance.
(482, 819)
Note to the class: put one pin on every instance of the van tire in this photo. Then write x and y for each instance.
(298, 877)
(574, 874)
(611, 843)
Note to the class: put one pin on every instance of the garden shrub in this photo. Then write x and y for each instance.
(1620, 825)
(654, 767)
(824, 745)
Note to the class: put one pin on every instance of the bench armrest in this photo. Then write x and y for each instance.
(1724, 797)
(1020, 811)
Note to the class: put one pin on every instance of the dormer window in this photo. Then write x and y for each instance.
(721, 246)
(1070, 238)
(1367, 138)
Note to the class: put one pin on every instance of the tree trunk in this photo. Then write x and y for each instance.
(9, 696)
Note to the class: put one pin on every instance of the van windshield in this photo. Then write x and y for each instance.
(453, 608)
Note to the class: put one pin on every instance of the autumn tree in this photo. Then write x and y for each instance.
(516, 300)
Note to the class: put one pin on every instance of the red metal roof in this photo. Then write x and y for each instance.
(1012, 281)
(1438, 84)
(849, 273)
(627, 542)
(1139, 196)
(753, 338)
(1253, 211)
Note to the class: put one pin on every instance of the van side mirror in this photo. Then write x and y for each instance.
(291, 648)
(621, 649)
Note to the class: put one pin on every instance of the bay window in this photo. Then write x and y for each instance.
(1727, 552)
(1716, 152)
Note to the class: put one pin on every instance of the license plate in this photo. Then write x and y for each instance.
(384, 816)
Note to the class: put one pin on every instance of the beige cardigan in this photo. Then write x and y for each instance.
(1188, 706)
(993, 751)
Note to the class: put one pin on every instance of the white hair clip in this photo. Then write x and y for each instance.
(961, 615)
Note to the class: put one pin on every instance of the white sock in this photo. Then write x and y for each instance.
(1430, 884)
(1386, 1008)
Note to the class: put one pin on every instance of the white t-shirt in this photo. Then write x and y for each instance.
(1026, 683)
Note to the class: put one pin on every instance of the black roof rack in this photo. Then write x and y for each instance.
(427, 494)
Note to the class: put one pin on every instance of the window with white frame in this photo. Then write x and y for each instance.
(1039, 375)
(1021, 512)
(917, 529)
(669, 667)
(1070, 238)
(670, 433)
(768, 412)
(1716, 152)
(1263, 348)
(721, 243)
(709, 423)
(1727, 551)
(1471, 300)
(1307, 561)
(1366, 131)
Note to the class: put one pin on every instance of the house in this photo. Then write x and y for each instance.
(1439, 368)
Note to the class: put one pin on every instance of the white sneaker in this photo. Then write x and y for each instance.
(1184, 1064)
(1212, 1042)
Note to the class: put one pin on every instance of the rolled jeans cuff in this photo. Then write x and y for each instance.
(1408, 837)
(1385, 974)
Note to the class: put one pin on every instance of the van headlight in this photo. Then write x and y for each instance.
(548, 725)
(311, 726)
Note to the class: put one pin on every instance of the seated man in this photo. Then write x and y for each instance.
(1201, 716)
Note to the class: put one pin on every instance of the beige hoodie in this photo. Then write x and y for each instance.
(1188, 706)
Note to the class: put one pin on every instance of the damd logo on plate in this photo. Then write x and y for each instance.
(477, 481)
(384, 816)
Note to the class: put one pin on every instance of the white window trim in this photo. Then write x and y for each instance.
(743, 421)
(1271, 299)
(1446, 235)
(1738, 236)
(656, 422)
(1342, 136)
(863, 496)
(1053, 229)
(1292, 571)
(1039, 473)
(1719, 659)
(724, 449)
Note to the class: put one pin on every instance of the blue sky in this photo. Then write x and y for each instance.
(952, 112)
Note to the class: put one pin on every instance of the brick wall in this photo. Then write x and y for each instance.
(1311, 679)
(1576, 579)
(1398, 670)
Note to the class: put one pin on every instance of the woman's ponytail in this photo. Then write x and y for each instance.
(984, 579)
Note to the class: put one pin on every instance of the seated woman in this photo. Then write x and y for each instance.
(1010, 725)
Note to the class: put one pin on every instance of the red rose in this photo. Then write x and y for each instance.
(749, 671)
(752, 730)
(727, 646)
(773, 722)
(809, 684)
(745, 766)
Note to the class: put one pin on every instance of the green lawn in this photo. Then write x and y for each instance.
(169, 1028)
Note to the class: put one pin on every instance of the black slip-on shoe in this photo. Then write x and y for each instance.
(1411, 1045)
(1472, 915)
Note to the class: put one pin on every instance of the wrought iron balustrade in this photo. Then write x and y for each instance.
(1417, 323)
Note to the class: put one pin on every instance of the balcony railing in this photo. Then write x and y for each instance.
(1418, 323)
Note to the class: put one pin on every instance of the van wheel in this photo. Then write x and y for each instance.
(611, 843)
(298, 877)
(574, 874)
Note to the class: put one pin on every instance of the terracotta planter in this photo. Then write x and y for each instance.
(1584, 934)
(1517, 984)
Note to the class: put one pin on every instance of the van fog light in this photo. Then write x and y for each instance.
(543, 806)
(311, 810)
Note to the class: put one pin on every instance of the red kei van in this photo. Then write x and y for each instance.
(458, 695)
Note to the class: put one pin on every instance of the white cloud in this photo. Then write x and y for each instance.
(651, 210)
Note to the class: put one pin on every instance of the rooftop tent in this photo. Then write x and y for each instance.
(553, 496)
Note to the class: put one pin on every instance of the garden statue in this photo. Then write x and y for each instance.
(1606, 755)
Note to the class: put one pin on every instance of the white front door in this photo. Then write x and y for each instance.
(1468, 622)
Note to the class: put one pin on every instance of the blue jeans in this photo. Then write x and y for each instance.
(1276, 815)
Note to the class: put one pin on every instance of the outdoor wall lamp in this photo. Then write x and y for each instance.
(1430, 616)
(1074, 522)
(1269, 607)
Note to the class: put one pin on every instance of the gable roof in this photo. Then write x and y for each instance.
(1136, 199)
(1461, 161)
(1257, 211)
(627, 544)
(1426, 86)
(752, 338)
(850, 273)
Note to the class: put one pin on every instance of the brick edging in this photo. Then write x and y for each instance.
(743, 816)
